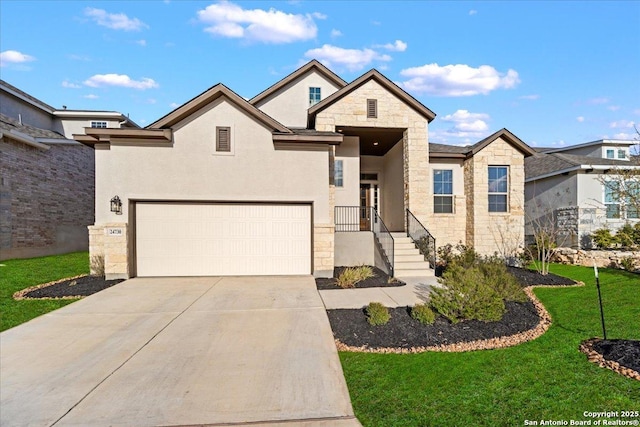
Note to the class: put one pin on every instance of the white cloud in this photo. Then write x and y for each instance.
(613, 107)
(466, 123)
(91, 96)
(319, 15)
(530, 97)
(352, 59)
(122, 80)
(473, 12)
(335, 33)
(580, 119)
(174, 105)
(115, 21)
(267, 26)
(70, 85)
(141, 42)
(621, 124)
(597, 101)
(624, 135)
(9, 57)
(457, 80)
(397, 46)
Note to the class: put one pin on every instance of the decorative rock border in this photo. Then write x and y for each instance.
(487, 344)
(593, 356)
(20, 295)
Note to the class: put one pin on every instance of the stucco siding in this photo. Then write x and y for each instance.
(289, 105)
(349, 153)
(30, 115)
(76, 126)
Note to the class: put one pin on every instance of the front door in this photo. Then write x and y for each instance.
(365, 207)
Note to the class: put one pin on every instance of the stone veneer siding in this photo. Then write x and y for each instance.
(111, 251)
(494, 232)
(351, 110)
(46, 199)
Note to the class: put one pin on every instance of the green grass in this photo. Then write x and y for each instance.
(18, 274)
(547, 378)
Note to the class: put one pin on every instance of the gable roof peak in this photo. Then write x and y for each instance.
(217, 91)
(314, 64)
(511, 139)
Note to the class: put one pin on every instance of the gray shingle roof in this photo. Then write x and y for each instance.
(545, 164)
(9, 123)
(449, 149)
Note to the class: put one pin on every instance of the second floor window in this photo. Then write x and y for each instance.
(442, 191)
(498, 188)
(100, 125)
(314, 96)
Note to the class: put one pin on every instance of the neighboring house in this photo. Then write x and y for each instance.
(310, 174)
(566, 190)
(46, 177)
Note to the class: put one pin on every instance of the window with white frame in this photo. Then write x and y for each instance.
(498, 188)
(611, 154)
(338, 176)
(621, 199)
(622, 154)
(442, 191)
(314, 95)
(612, 199)
(99, 125)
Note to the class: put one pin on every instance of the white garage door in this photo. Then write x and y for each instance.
(200, 239)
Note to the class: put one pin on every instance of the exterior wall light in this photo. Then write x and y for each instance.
(116, 205)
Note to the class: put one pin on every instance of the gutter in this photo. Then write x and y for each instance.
(25, 139)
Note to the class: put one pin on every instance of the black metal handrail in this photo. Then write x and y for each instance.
(366, 218)
(425, 242)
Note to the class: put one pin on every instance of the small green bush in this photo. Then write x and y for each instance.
(628, 263)
(423, 314)
(625, 237)
(377, 314)
(466, 295)
(352, 275)
(603, 238)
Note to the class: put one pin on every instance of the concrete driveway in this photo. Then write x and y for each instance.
(175, 352)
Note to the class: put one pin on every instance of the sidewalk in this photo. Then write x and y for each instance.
(415, 292)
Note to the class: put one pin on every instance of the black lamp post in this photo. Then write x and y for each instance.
(595, 270)
(116, 205)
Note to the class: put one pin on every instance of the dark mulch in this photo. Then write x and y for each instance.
(380, 280)
(530, 277)
(82, 286)
(402, 331)
(625, 352)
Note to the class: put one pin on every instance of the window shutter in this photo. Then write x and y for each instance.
(223, 139)
(372, 108)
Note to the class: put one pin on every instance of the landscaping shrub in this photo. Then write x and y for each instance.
(467, 294)
(352, 275)
(628, 263)
(475, 288)
(627, 237)
(377, 314)
(423, 314)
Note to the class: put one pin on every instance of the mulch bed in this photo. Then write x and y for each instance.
(532, 278)
(380, 280)
(621, 356)
(69, 288)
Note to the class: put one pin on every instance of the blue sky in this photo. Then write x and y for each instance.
(554, 73)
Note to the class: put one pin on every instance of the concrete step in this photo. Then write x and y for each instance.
(411, 265)
(402, 240)
(398, 234)
(411, 251)
(413, 273)
(412, 257)
(407, 245)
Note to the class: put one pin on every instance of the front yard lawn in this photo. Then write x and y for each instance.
(545, 379)
(18, 274)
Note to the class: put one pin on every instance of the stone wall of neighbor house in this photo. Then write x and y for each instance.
(46, 199)
(601, 258)
(491, 232)
(351, 110)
